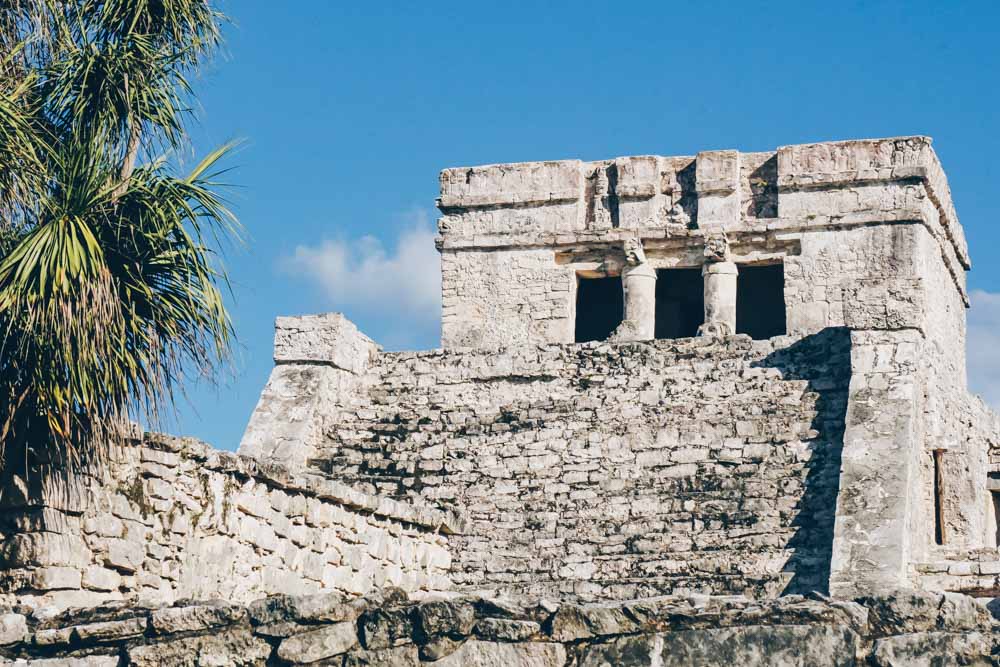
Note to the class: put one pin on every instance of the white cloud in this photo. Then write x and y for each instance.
(984, 346)
(397, 290)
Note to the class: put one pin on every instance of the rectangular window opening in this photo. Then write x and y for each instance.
(993, 511)
(939, 532)
(760, 300)
(600, 307)
(680, 302)
(995, 497)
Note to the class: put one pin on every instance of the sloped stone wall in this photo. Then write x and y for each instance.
(614, 471)
(387, 630)
(172, 518)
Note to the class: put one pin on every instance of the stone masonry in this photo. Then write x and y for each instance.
(766, 454)
(615, 470)
(173, 519)
(855, 224)
(845, 455)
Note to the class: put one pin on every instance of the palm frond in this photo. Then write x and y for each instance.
(21, 148)
(114, 298)
(110, 274)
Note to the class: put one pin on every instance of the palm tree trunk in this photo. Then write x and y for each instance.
(131, 152)
(128, 165)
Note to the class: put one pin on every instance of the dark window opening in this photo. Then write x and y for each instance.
(600, 305)
(993, 486)
(680, 302)
(939, 535)
(995, 497)
(760, 301)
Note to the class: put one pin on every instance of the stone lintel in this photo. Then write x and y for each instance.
(519, 183)
(716, 184)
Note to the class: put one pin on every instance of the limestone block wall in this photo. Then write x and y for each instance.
(876, 520)
(969, 560)
(621, 470)
(172, 518)
(713, 465)
(969, 571)
(506, 297)
(853, 222)
(835, 456)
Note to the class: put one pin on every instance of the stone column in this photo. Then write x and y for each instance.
(720, 298)
(639, 283)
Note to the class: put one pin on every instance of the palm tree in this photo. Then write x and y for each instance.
(109, 272)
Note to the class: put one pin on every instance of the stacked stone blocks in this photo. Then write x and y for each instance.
(171, 518)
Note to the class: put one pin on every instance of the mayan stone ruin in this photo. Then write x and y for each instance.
(693, 410)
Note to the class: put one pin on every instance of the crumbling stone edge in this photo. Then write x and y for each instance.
(280, 476)
(389, 629)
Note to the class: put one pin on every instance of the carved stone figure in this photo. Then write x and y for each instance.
(716, 247)
(601, 204)
(634, 252)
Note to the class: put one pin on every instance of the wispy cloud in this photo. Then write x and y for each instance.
(984, 346)
(397, 290)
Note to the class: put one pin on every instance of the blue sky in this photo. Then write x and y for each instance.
(350, 110)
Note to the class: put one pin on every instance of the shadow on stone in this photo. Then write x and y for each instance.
(824, 361)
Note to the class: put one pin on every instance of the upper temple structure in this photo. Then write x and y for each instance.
(792, 241)
(729, 374)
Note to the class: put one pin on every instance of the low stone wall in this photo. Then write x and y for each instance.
(973, 572)
(172, 518)
(905, 628)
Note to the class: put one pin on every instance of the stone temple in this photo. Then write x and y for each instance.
(687, 410)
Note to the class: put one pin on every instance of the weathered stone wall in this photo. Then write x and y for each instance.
(973, 572)
(869, 239)
(614, 470)
(856, 224)
(634, 469)
(822, 460)
(317, 359)
(903, 628)
(172, 518)
(875, 515)
(713, 465)
(506, 297)
(969, 560)
(967, 432)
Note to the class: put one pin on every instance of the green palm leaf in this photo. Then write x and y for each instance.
(110, 273)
